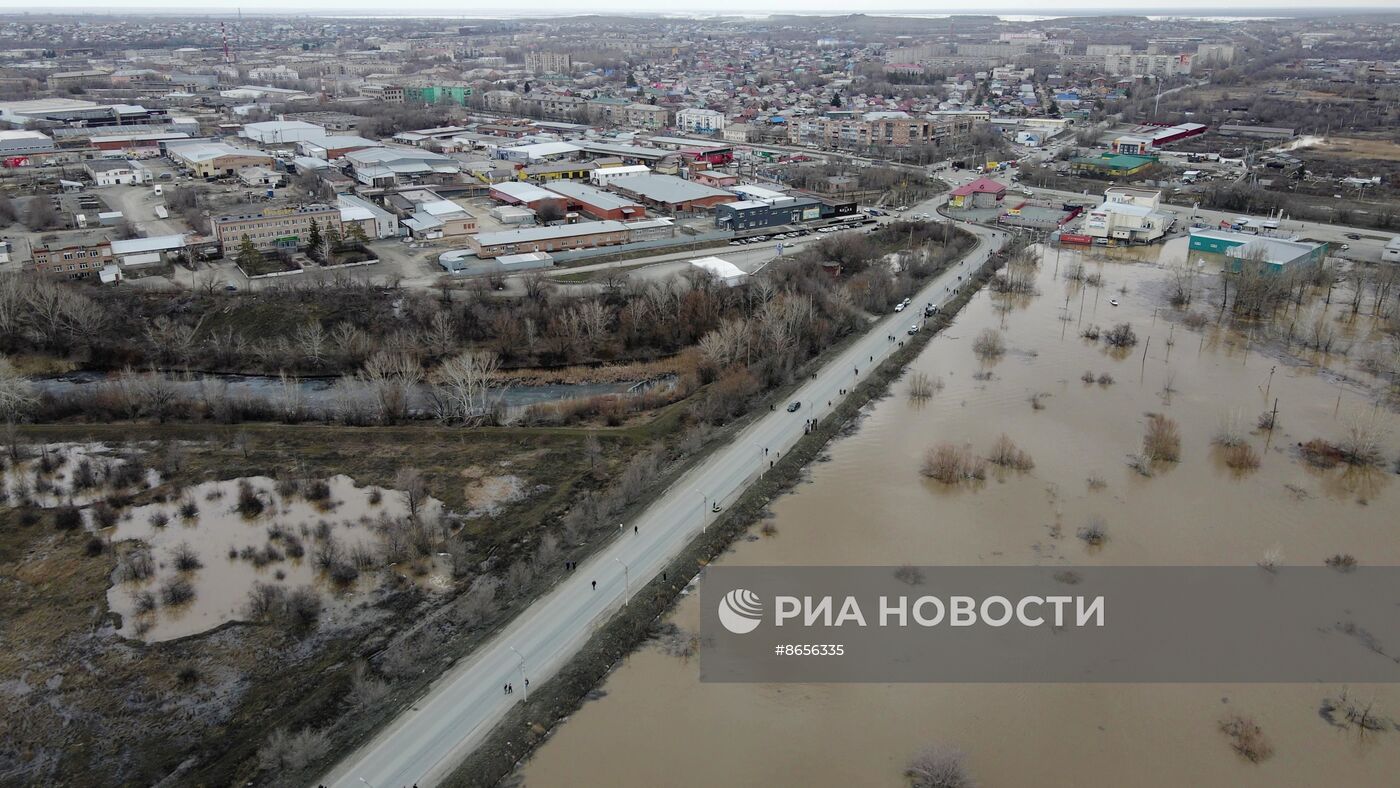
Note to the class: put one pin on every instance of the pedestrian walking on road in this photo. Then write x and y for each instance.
(595, 585)
(505, 689)
(635, 529)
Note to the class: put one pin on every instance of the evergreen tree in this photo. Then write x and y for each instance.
(313, 241)
(248, 255)
(333, 243)
(356, 234)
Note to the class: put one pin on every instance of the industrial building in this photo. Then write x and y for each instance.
(274, 228)
(386, 166)
(596, 203)
(525, 194)
(72, 261)
(581, 235)
(723, 271)
(213, 159)
(606, 175)
(671, 193)
(111, 172)
(333, 147)
(24, 142)
(281, 132)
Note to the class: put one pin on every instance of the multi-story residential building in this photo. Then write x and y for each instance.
(1148, 65)
(1214, 55)
(437, 94)
(274, 228)
(700, 121)
(878, 130)
(73, 261)
(622, 113)
(549, 62)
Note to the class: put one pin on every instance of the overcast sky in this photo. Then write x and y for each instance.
(537, 7)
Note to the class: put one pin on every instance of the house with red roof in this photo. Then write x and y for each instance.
(981, 193)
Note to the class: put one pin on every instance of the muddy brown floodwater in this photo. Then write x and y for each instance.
(231, 550)
(658, 725)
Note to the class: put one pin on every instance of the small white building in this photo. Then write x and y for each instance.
(1391, 253)
(375, 221)
(260, 176)
(282, 132)
(723, 270)
(606, 175)
(114, 172)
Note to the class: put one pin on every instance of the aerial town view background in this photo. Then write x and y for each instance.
(376, 389)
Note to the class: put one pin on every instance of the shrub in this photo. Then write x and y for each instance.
(189, 510)
(1095, 533)
(1162, 443)
(1342, 562)
(292, 752)
(176, 591)
(1267, 420)
(318, 491)
(1229, 433)
(1246, 738)
(949, 463)
(938, 767)
(1105, 379)
(1091, 332)
(187, 676)
(922, 385)
(67, 518)
(249, 503)
(1007, 454)
(185, 558)
(1037, 400)
(1242, 457)
(1320, 454)
(989, 344)
(1120, 335)
(95, 546)
(159, 519)
(135, 564)
(1087, 377)
(145, 602)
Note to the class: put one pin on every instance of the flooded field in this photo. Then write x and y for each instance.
(1080, 410)
(221, 545)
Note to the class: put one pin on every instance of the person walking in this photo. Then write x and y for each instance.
(595, 585)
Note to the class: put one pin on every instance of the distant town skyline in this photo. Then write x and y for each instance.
(500, 8)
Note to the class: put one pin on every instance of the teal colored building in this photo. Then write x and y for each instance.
(437, 94)
(1279, 254)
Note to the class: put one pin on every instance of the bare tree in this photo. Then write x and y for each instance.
(16, 392)
(463, 391)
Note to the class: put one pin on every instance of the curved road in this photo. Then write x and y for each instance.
(426, 742)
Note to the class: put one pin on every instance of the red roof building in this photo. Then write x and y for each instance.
(981, 193)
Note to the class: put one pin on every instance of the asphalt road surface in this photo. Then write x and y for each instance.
(425, 743)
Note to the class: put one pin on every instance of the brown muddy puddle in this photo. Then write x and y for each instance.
(868, 504)
(235, 551)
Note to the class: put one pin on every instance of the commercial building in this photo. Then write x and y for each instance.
(71, 261)
(537, 152)
(700, 121)
(981, 193)
(1111, 165)
(1259, 132)
(558, 171)
(281, 132)
(580, 235)
(142, 252)
(435, 217)
(1128, 216)
(1276, 254)
(274, 228)
(671, 193)
(213, 159)
(596, 203)
(754, 214)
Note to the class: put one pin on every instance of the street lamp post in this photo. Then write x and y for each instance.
(522, 672)
(626, 580)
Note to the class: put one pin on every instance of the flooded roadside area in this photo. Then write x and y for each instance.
(1079, 409)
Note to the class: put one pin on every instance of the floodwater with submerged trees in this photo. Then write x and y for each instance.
(1048, 426)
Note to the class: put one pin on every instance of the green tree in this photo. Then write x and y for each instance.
(836, 99)
(314, 241)
(356, 234)
(248, 255)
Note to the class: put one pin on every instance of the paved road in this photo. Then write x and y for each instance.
(442, 728)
